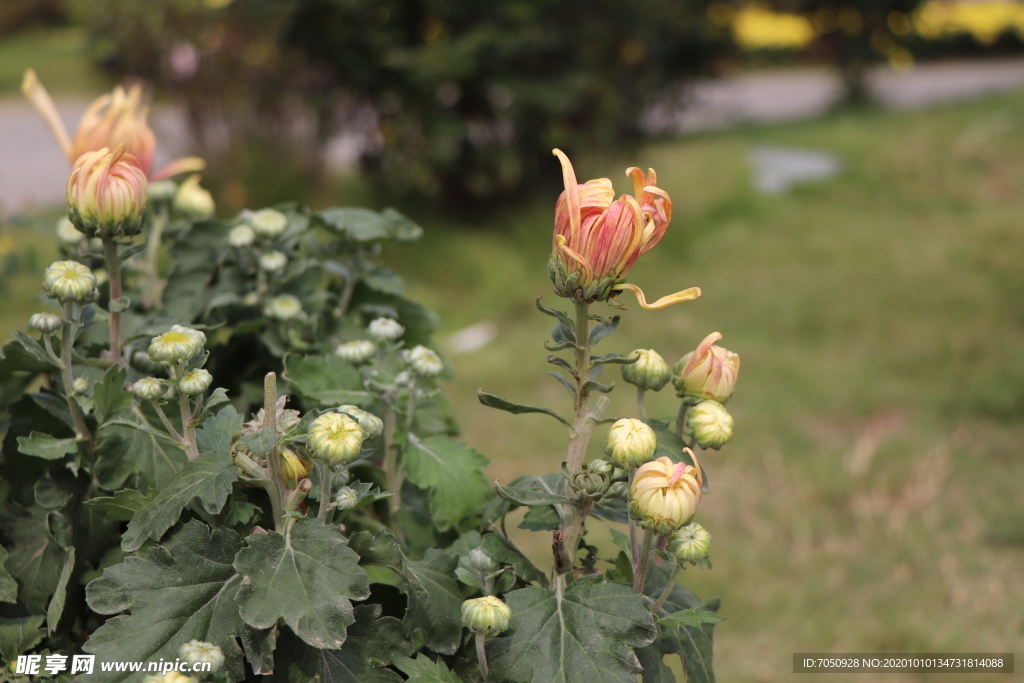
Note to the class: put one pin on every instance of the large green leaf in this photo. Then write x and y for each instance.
(308, 577)
(126, 451)
(182, 590)
(423, 670)
(454, 474)
(19, 635)
(8, 586)
(502, 550)
(364, 225)
(45, 446)
(326, 378)
(123, 505)
(384, 550)
(60, 594)
(583, 635)
(208, 478)
(36, 559)
(110, 397)
(217, 432)
(437, 619)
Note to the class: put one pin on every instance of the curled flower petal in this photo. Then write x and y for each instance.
(665, 301)
(41, 101)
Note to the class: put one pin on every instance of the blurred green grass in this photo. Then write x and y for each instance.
(58, 56)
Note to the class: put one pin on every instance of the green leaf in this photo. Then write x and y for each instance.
(599, 332)
(423, 670)
(307, 577)
(385, 550)
(142, 427)
(671, 446)
(694, 616)
(541, 518)
(15, 356)
(384, 280)
(217, 432)
(531, 491)
(555, 313)
(437, 619)
(60, 594)
(622, 541)
(259, 645)
(614, 359)
(123, 505)
(219, 396)
(19, 635)
(8, 586)
(364, 225)
(581, 636)
(208, 478)
(492, 401)
(45, 446)
(125, 451)
(501, 550)
(33, 349)
(110, 397)
(454, 474)
(325, 378)
(182, 590)
(35, 558)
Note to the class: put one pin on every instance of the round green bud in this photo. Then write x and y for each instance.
(487, 615)
(273, 261)
(67, 233)
(589, 484)
(284, 307)
(481, 561)
(70, 281)
(356, 352)
(650, 373)
(192, 201)
(690, 544)
(372, 425)
(177, 346)
(268, 222)
(195, 382)
(346, 498)
(602, 467)
(709, 424)
(197, 652)
(163, 191)
(149, 389)
(47, 323)
(241, 236)
(630, 443)
(385, 329)
(423, 362)
(79, 386)
(335, 438)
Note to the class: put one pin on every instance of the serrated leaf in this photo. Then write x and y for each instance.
(35, 558)
(110, 397)
(15, 357)
(501, 550)
(437, 619)
(8, 586)
(123, 505)
(208, 478)
(217, 431)
(584, 635)
(33, 348)
(454, 474)
(307, 577)
(325, 378)
(422, 669)
(182, 590)
(19, 635)
(671, 446)
(125, 451)
(140, 426)
(385, 550)
(45, 446)
(531, 491)
(259, 645)
(492, 401)
(60, 593)
(541, 518)
(219, 396)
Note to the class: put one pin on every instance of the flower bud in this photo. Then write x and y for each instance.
(67, 233)
(294, 468)
(196, 651)
(69, 281)
(118, 118)
(589, 484)
(149, 389)
(241, 236)
(268, 222)
(195, 382)
(143, 363)
(630, 443)
(487, 615)
(47, 323)
(335, 438)
(481, 561)
(424, 362)
(602, 466)
(356, 352)
(284, 307)
(162, 191)
(385, 329)
(346, 498)
(650, 373)
(708, 372)
(192, 201)
(372, 425)
(273, 261)
(709, 424)
(690, 544)
(107, 194)
(79, 386)
(665, 494)
(177, 346)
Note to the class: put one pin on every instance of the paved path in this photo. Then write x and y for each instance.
(32, 171)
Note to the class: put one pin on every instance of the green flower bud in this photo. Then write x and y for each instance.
(424, 362)
(284, 307)
(481, 561)
(268, 222)
(69, 281)
(709, 423)
(149, 389)
(356, 352)
(335, 438)
(371, 424)
(47, 323)
(650, 373)
(487, 615)
(241, 236)
(79, 386)
(346, 498)
(602, 467)
(589, 484)
(385, 329)
(273, 261)
(163, 191)
(195, 382)
(67, 233)
(196, 651)
(690, 544)
(192, 201)
(177, 346)
(630, 443)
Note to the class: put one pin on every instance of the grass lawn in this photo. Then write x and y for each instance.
(871, 498)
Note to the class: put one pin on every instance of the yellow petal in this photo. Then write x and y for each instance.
(41, 101)
(665, 301)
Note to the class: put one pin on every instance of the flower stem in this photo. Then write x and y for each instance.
(634, 546)
(166, 421)
(188, 426)
(481, 655)
(641, 407)
(392, 468)
(326, 475)
(153, 288)
(67, 376)
(640, 563)
(114, 272)
(275, 484)
(668, 588)
(684, 407)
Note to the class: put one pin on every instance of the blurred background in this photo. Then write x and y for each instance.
(848, 182)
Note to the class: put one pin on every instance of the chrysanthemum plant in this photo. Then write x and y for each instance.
(226, 444)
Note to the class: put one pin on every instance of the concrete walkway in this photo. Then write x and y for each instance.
(33, 172)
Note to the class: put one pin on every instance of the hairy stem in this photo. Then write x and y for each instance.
(166, 421)
(114, 271)
(188, 426)
(481, 655)
(634, 545)
(392, 468)
(326, 475)
(684, 407)
(668, 588)
(275, 484)
(640, 563)
(641, 407)
(67, 376)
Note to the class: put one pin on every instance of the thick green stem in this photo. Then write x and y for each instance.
(114, 272)
(67, 376)
(392, 468)
(326, 475)
(684, 407)
(640, 563)
(481, 655)
(275, 484)
(154, 286)
(188, 426)
(641, 407)
(668, 588)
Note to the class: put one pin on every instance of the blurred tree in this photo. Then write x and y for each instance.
(19, 14)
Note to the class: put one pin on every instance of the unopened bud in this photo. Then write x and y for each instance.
(665, 494)
(709, 424)
(630, 443)
(195, 382)
(149, 389)
(241, 236)
(356, 352)
(371, 424)
(708, 372)
(107, 194)
(197, 652)
(143, 363)
(346, 498)
(487, 615)
(481, 561)
(690, 544)
(70, 281)
(67, 233)
(194, 202)
(385, 329)
(602, 466)
(294, 468)
(268, 222)
(162, 191)
(177, 346)
(273, 261)
(284, 307)
(589, 484)
(650, 373)
(424, 362)
(47, 323)
(335, 438)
